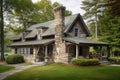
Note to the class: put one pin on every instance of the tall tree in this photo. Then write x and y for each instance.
(114, 6)
(110, 25)
(20, 13)
(37, 12)
(92, 12)
(2, 30)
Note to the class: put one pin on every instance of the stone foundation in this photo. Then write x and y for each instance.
(29, 58)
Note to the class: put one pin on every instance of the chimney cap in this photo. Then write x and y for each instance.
(59, 7)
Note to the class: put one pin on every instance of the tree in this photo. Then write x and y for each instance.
(18, 14)
(108, 20)
(109, 25)
(115, 10)
(2, 31)
(92, 13)
(37, 12)
(114, 6)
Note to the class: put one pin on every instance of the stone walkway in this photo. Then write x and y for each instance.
(18, 69)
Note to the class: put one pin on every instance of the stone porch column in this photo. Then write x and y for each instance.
(34, 52)
(77, 54)
(46, 50)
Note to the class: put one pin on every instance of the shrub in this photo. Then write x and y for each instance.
(115, 60)
(85, 62)
(14, 59)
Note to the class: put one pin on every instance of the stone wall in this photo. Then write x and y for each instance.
(29, 58)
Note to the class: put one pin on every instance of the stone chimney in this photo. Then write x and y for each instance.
(60, 47)
(59, 23)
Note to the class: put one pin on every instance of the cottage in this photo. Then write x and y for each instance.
(61, 39)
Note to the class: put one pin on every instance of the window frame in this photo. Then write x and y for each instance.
(76, 32)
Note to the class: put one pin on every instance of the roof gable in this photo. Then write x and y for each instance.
(81, 22)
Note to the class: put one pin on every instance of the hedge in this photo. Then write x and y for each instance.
(85, 62)
(14, 59)
(114, 60)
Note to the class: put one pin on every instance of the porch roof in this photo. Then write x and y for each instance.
(38, 42)
(77, 40)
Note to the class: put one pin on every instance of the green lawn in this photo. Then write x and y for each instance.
(5, 68)
(68, 72)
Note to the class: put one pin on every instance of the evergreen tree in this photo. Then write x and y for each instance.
(110, 26)
(108, 20)
(92, 13)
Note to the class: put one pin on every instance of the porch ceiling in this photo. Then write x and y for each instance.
(38, 42)
(78, 40)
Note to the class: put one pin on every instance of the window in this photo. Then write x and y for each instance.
(76, 32)
(24, 51)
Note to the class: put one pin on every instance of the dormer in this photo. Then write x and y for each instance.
(24, 34)
(40, 31)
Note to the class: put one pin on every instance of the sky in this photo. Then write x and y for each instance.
(72, 5)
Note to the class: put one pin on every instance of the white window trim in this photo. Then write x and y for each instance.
(78, 31)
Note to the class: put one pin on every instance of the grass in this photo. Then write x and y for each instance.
(67, 72)
(5, 68)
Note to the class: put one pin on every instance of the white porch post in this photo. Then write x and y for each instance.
(46, 50)
(77, 51)
(34, 51)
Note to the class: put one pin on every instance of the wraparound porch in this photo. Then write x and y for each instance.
(80, 48)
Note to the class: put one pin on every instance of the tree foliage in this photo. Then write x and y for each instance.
(108, 20)
(114, 6)
(110, 24)
(92, 13)
(37, 12)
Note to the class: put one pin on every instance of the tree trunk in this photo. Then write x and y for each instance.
(2, 31)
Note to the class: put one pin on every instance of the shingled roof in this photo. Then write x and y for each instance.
(37, 42)
(78, 40)
(69, 20)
